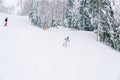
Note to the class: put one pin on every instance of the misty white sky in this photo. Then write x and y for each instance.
(10, 2)
(14, 2)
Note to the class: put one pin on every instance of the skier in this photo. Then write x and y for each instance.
(44, 27)
(65, 44)
(6, 20)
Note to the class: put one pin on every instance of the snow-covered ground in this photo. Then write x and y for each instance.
(30, 53)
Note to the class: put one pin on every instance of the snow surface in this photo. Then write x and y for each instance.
(30, 53)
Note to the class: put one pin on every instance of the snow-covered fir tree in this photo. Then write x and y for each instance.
(116, 39)
(27, 6)
(57, 13)
(33, 13)
(106, 22)
(84, 19)
(69, 11)
(116, 33)
(77, 15)
(94, 13)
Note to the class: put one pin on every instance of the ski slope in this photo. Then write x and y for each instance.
(30, 53)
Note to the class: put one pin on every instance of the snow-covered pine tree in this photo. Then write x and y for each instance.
(44, 12)
(103, 19)
(69, 7)
(94, 13)
(84, 19)
(34, 12)
(116, 31)
(58, 12)
(27, 6)
(106, 22)
(54, 13)
(116, 38)
(75, 20)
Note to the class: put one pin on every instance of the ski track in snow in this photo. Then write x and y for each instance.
(30, 53)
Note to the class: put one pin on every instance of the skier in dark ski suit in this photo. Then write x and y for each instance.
(6, 20)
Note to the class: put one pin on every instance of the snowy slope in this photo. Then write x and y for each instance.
(30, 53)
